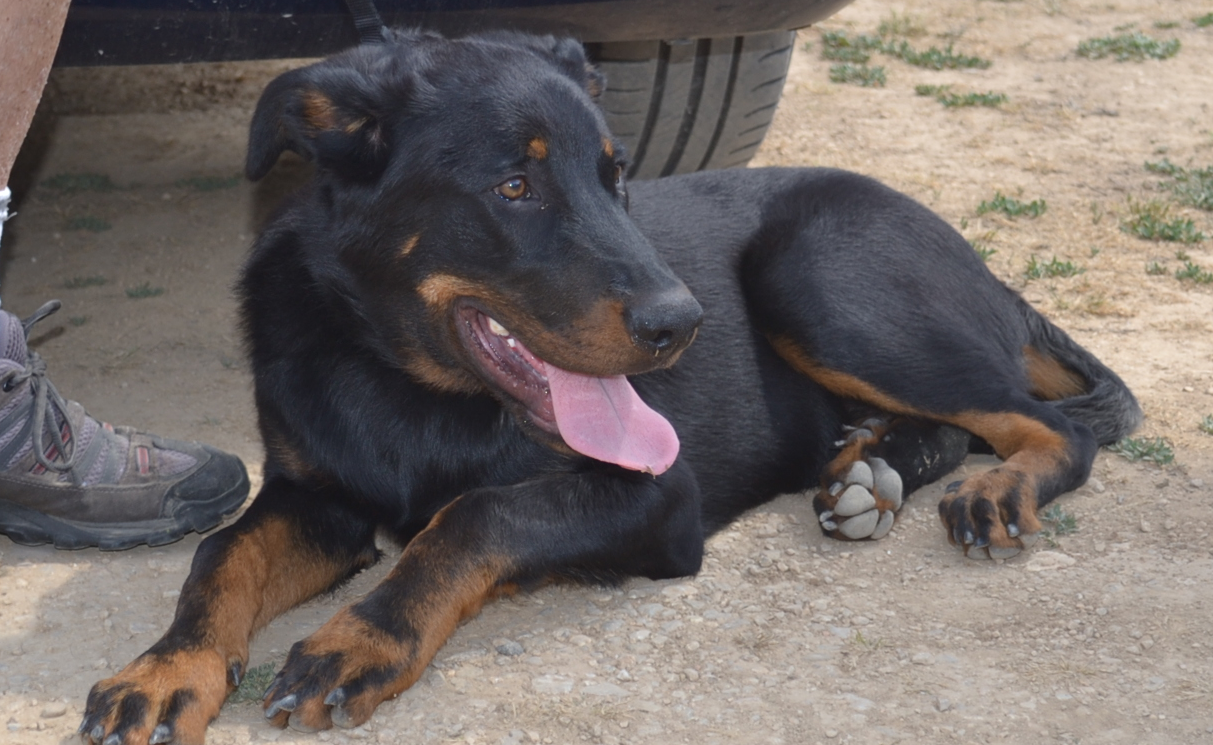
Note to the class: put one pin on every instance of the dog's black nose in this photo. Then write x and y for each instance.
(666, 324)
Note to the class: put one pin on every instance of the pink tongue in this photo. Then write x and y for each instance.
(605, 419)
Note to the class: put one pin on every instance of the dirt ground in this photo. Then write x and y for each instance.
(1094, 636)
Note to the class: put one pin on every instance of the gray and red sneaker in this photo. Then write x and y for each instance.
(67, 479)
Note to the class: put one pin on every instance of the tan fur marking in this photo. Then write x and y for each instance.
(409, 245)
(1050, 379)
(840, 383)
(319, 110)
(608, 147)
(537, 149)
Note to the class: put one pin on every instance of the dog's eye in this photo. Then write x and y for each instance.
(514, 189)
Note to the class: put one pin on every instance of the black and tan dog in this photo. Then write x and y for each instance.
(461, 336)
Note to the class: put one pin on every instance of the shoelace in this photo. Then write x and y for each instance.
(45, 396)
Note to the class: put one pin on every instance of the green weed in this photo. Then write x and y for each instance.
(141, 291)
(1155, 269)
(1166, 24)
(78, 320)
(76, 283)
(981, 245)
(208, 183)
(1064, 523)
(1135, 449)
(1205, 20)
(868, 77)
(1149, 220)
(1195, 273)
(1191, 186)
(1012, 207)
(89, 223)
(837, 46)
(896, 24)
(951, 100)
(252, 686)
(934, 58)
(1054, 268)
(1206, 424)
(1135, 46)
(70, 183)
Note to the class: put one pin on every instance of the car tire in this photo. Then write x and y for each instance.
(692, 105)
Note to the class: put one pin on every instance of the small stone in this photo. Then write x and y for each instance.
(1096, 485)
(552, 684)
(508, 647)
(943, 704)
(1145, 526)
(831, 733)
(54, 710)
(923, 658)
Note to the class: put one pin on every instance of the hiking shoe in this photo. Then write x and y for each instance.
(67, 479)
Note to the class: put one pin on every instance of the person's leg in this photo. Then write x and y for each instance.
(66, 478)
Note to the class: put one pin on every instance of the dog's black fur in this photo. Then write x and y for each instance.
(459, 180)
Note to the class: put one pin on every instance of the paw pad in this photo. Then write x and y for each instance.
(867, 498)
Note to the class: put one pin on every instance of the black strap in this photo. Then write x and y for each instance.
(366, 19)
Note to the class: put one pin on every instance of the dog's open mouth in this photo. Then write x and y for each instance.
(601, 417)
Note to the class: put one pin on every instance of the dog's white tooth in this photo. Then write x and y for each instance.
(497, 328)
(510, 341)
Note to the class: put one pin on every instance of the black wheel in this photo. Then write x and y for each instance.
(692, 105)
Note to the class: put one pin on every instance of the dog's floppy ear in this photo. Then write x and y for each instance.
(327, 114)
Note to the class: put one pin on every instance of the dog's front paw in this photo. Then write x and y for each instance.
(861, 503)
(160, 697)
(338, 675)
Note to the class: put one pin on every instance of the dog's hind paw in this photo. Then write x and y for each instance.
(862, 503)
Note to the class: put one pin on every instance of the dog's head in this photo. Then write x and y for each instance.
(471, 211)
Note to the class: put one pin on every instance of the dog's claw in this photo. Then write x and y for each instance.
(96, 733)
(823, 517)
(113, 739)
(953, 487)
(1013, 530)
(829, 525)
(269, 689)
(286, 703)
(336, 697)
(162, 734)
(235, 673)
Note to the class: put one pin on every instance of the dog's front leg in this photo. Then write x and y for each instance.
(595, 526)
(290, 545)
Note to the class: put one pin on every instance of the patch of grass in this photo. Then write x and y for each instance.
(900, 24)
(1206, 424)
(981, 244)
(76, 283)
(253, 686)
(1134, 47)
(1166, 24)
(141, 291)
(862, 75)
(1191, 186)
(1155, 269)
(89, 223)
(1012, 207)
(1194, 273)
(837, 46)
(70, 183)
(943, 94)
(1053, 268)
(1149, 220)
(1064, 523)
(1136, 449)
(1203, 21)
(934, 58)
(208, 183)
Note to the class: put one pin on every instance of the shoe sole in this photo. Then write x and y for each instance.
(32, 528)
